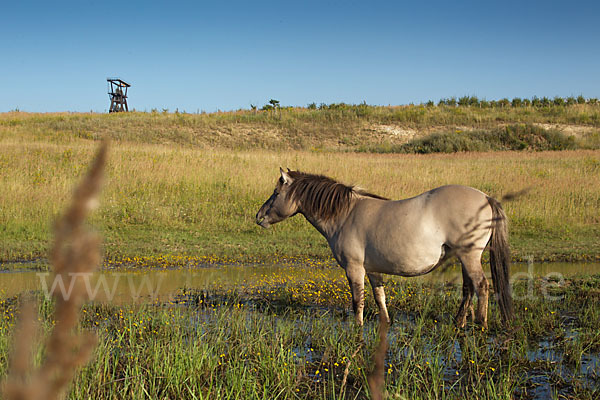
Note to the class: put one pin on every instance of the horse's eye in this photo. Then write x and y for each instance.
(281, 180)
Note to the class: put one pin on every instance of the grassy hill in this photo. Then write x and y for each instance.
(337, 127)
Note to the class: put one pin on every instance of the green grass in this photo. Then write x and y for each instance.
(266, 341)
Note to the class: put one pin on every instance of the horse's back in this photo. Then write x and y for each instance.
(445, 209)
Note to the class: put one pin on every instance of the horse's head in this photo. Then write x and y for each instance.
(279, 206)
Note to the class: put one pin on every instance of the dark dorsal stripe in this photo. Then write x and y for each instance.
(321, 196)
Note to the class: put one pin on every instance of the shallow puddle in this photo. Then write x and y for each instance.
(160, 284)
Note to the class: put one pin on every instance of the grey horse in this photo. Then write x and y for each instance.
(369, 234)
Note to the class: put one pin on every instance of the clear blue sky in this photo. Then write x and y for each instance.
(219, 55)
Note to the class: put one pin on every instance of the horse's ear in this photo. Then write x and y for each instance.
(285, 178)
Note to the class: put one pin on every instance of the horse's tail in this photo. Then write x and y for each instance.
(500, 260)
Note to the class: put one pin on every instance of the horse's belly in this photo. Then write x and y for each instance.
(418, 260)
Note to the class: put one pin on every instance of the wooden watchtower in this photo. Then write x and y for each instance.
(117, 91)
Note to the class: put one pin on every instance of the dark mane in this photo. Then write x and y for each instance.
(322, 196)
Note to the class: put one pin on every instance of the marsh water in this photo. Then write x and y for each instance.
(164, 285)
(161, 284)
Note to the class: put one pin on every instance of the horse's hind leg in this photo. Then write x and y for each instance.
(472, 267)
(379, 294)
(467, 301)
(356, 278)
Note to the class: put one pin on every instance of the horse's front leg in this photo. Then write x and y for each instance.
(379, 294)
(356, 279)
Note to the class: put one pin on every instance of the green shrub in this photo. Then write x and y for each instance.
(512, 137)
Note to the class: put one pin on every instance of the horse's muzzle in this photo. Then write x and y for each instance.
(262, 220)
(263, 223)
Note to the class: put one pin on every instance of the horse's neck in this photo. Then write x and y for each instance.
(324, 228)
(327, 228)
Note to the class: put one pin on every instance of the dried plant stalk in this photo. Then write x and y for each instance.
(76, 251)
(376, 378)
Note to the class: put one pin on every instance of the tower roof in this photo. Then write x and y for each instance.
(118, 81)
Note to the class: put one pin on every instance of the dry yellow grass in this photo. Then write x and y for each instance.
(173, 199)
